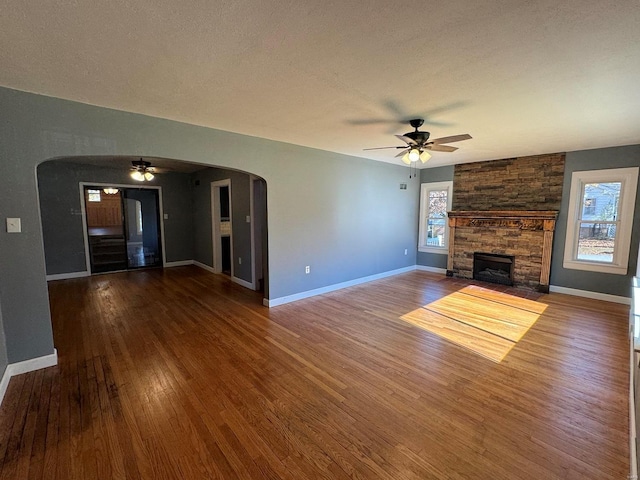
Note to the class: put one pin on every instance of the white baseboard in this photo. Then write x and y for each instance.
(204, 266)
(26, 366)
(331, 288)
(587, 294)
(424, 268)
(244, 283)
(180, 263)
(66, 276)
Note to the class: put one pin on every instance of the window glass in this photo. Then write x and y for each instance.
(93, 195)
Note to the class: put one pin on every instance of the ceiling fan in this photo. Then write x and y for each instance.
(142, 170)
(418, 145)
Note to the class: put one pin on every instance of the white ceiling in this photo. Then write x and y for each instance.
(522, 77)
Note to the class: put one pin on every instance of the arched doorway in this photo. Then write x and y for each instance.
(184, 214)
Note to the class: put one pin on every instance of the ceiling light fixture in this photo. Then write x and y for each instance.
(414, 155)
(142, 171)
(110, 190)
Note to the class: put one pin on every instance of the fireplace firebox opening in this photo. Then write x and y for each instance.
(494, 268)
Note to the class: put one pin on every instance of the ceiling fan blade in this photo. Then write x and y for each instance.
(403, 152)
(441, 148)
(372, 121)
(382, 148)
(451, 139)
(407, 140)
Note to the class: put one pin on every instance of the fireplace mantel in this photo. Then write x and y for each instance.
(543, 214)
(542, 221)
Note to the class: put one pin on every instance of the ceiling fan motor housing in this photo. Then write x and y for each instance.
(418, 137)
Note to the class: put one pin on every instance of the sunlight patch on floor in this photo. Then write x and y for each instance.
(485, 321)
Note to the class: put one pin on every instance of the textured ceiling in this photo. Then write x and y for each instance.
(520, 77)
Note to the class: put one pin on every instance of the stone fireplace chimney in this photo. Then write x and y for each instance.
(506, 207)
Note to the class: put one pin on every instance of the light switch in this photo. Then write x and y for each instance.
(166, 216)
(14, 225)
(248, 218)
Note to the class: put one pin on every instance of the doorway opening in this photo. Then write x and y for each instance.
(122, 228)
(221, 219)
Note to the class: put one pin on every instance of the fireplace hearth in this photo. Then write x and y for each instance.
(493, 268)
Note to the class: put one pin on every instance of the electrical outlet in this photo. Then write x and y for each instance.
(239, 260)
(307, 269)
(406, 251)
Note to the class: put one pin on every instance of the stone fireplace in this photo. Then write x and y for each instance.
(506, 207)
(526, 236)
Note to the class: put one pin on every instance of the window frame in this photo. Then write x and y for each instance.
(628, 178)
(425, 188)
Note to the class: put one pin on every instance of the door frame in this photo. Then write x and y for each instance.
(83, 210)
(216, 237)
(256, 239)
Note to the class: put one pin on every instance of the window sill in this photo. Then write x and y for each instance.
(440, 250)
(595, 267)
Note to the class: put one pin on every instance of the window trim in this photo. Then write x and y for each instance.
(425, 188)
(628, 177)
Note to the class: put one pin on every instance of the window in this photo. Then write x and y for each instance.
(435, 201)
(600, 219)
(93, 195)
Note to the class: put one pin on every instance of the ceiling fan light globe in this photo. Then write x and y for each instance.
(424, 156)
(148, 176)
(138, 176)
(414, 155)
(405, 159)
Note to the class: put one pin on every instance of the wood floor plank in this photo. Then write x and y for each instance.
(468, 335)
(180, 373)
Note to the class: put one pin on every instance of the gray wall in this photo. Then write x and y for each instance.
(240, 204)
(62, 217)
(615, 157)
(429, 175)
(344, 216)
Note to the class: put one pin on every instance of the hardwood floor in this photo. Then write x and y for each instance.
(182, 374)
